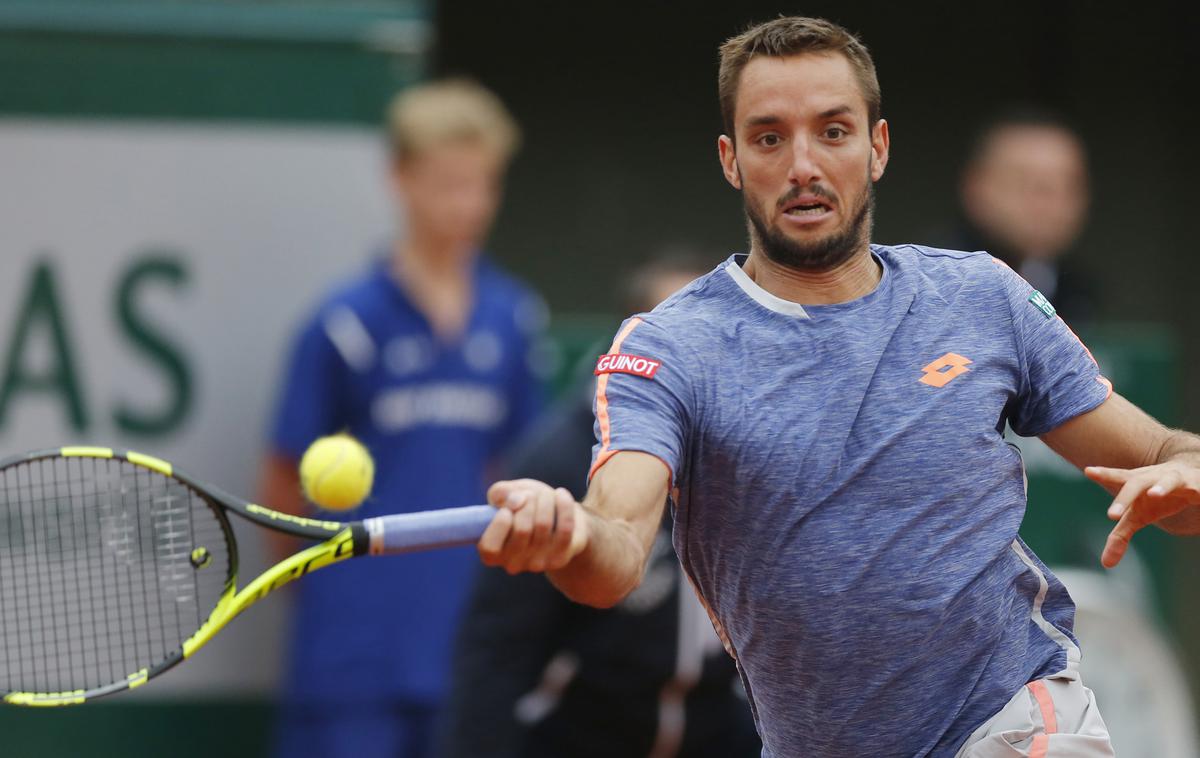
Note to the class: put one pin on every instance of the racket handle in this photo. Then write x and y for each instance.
(427, 530)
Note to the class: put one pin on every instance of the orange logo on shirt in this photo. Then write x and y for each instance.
(944, 369)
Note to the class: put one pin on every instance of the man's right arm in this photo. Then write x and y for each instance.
(594, 552)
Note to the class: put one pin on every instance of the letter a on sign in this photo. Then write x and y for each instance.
(618, 363)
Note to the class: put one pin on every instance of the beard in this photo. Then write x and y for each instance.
(822, 254)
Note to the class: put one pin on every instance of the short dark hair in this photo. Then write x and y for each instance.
(794, 35)
(1016, 116)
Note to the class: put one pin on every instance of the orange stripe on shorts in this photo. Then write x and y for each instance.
(1041, 742)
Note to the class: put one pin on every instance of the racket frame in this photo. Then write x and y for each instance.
(339, 541)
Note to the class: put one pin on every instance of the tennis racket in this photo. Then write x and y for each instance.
(116, 566)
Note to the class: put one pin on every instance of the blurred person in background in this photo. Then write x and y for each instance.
(538, 676)
(425, 357)
(1024, 198)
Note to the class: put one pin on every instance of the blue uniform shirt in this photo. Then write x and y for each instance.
(846, 504)
(433, 415)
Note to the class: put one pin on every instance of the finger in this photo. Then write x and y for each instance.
(516, 499)
(1105, 475)
(1127, 496)
(526, 492)
(517, 547)
(501, 494)
(513, 494)
(491, 544)
(581, 534)
(1166, 485)
(1119, 538)
(497, 492)
(543, 526)
(564, 527)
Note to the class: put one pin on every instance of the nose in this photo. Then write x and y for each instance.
(803, 169)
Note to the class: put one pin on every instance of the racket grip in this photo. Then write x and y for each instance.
(427, 530)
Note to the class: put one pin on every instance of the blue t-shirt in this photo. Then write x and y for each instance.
(433, 416)
(845, 502)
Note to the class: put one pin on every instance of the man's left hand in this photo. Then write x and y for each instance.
(1166, 494)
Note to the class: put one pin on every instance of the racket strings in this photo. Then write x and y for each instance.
(98, 575)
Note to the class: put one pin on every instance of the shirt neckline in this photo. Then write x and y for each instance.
(771, 302)
(393, 281)
(733, 267)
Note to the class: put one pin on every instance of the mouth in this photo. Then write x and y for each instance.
(815, 209)
(808, 208)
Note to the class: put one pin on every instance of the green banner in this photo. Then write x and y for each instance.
(265, 61)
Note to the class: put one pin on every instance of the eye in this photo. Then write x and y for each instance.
(835, 132)
(769, 140)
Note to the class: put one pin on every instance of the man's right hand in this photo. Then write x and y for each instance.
(536, 527)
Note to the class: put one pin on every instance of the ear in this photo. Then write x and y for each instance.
(880, 145)
(729, 161)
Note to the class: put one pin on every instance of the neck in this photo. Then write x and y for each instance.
(439, 284)
(426, 262)
(853, 279)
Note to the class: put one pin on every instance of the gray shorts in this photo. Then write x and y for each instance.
(1054, 717)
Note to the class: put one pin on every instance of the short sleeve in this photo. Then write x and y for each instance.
(1059, 377)
(643, 397)
(312, 393)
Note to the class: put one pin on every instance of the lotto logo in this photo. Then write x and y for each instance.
(942, 371)
(617, 363)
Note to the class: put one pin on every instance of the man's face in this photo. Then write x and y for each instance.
(449, 193)
(1029, 190)
(805, 157)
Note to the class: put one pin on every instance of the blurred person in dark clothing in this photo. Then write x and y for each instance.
(538, 676)
(1024, 195)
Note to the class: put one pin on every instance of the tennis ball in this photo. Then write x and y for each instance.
(336, 472)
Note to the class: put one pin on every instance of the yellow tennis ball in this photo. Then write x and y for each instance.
(336, 472)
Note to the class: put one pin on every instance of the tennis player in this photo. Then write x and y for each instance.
(827, 416)
(425, 358)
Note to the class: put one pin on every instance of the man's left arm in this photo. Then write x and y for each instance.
(1152, 471)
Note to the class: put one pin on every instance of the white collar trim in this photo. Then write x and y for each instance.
(761, 296)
